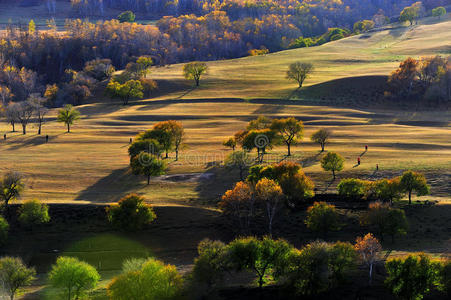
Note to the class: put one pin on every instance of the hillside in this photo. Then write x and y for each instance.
(372, 54)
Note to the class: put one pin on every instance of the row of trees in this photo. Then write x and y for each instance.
(33, 110)
(386, 190)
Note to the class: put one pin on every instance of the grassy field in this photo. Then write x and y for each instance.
(90, 164)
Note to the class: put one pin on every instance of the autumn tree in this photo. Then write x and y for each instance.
(194, 70)
(289, 130)
(260, 123)
(322, 137)
(5, 94)
(126, 91)
(410, 13)
(369, 250)
(51, 93)
(100, 69)
(239, 204)
(413, 181)
(140, 68)
(322, 218)
(402, 80)
(332, 162)
(68, 115)
(363, 26)
(299, 71)
(14, 274)
(269, 194)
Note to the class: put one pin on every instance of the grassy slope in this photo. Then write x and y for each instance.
(376, 53)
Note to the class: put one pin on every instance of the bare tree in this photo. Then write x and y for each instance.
(12, 114)
(321, 137)
(37, 102)
(25, 112)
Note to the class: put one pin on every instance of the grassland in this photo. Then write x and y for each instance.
(90, 164)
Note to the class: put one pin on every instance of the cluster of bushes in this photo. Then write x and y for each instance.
(316, 267)
(385, 190)
(427, 78)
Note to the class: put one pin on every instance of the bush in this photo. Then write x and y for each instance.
(445, 277)
(322, 218)
(33, 212)
(153, 281)
(126, 16)
(75, 278)
(316, 267)
(412, 277)
(211, 264)
(4, 229)
(352, 188)
(14, 275)
(131, 213)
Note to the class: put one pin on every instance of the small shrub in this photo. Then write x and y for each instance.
(4, 229)
(33, 212)
(131, 213)
(352, 188)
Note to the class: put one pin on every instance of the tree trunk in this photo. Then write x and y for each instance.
(371, 273)
(176, 154)
(39, 128)
(167, 154)
(14, 127)
(68, 127)
(24, 129)
(322, 147)
(289, 149)
(333, 173)
(148, 179)
(410, 197)
(197, 81)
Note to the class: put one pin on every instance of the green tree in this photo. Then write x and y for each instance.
(342, 260)
(259, 139)
(332, 162)
(258, 256)
(68, 115)
(130, 213)
(240, 160)
(413, 181)
(14, 275)
(194, 70)
(33, 212)
(445, 284)
(413, 277)
(73, 277)
(176, 134)
(363, 26)
(289, 131)
(148, 165)
(126, 16)
(322, 137)
(126, 91)
(322, 218)
(212, 262)
(352, 188)
(4, 229)
(299, 72)
(231, 143)
(438, 12)
(396, 223)
(410, 13)
(31, 27)
(11, 187)
(152, 281)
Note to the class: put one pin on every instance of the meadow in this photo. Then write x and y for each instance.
(90, 165)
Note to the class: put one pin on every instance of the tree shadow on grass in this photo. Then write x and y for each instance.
(111, 188)
(29, 141)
